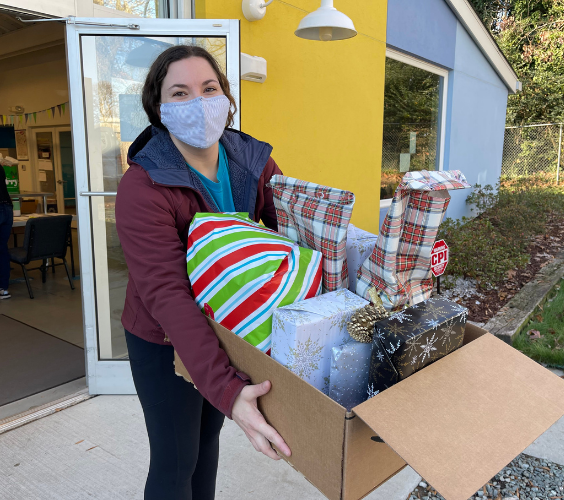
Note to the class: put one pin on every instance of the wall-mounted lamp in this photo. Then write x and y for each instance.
(326, 24)
(254, 10)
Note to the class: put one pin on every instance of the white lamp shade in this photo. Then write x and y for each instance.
(326, 24)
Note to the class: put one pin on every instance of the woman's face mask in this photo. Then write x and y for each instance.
(198, 122)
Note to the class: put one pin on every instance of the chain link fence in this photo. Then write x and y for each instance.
(532, 150)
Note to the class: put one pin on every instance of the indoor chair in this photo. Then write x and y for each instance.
(44, 238)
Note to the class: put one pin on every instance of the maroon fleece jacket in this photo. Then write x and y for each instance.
(152, 222)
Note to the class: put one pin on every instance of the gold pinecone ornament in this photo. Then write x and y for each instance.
(361, 324)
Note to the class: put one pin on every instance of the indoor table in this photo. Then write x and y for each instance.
(20, 196)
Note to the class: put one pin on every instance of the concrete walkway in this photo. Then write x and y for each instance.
(98, 449)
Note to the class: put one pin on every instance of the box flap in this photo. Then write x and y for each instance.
(459, 421)
(312, 424)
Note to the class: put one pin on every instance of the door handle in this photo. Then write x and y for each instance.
(98, 193)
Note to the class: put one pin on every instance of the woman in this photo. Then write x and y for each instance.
(188, 161)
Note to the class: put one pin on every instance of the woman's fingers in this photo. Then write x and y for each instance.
(270, 433)
(264, 446)
(261, 444)
(251, 420)
(256, 391)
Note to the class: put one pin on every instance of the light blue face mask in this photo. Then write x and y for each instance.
(198, 122)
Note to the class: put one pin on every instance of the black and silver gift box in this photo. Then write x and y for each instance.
(411, 339)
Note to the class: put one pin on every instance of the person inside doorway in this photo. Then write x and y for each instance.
(187, 161)
(6, 221)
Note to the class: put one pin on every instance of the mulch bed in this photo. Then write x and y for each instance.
(542, 251)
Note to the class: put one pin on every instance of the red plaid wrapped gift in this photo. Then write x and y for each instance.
(400, 264)
(316, 217)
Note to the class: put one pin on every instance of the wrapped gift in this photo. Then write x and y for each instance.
(348, 378)
(304, 333)
(400, 265)
(413, 338)
(316, 217)
(241, 271)
(360, 245)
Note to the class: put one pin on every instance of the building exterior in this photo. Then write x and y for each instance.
(322, 104)
(422, 85)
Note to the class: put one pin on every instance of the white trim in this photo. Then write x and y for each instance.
(386, 203)
(414, 61)
(480, 34)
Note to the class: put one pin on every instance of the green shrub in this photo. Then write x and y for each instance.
(507, 218)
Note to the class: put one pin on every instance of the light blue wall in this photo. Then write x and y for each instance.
(475, 120)
(477, 98)
(426, 28)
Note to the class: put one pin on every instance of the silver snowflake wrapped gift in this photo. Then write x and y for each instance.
(304, 333)
(360, 244)
(413, 338)
(349, 373)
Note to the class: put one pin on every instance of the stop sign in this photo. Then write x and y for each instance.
(439, 257)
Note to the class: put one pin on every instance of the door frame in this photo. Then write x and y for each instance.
(55, 160)
(59, 167)
(114, 376)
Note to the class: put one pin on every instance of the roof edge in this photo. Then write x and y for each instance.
(472, 23)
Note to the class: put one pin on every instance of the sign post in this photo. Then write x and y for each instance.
(439, 261)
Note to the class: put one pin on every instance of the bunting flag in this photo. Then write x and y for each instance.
(24, 118)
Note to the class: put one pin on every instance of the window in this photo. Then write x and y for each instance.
(141, 8)
(414, 100)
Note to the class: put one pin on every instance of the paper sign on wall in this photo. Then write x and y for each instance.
(412, 142)
(42, 176)
(21, 145)
(44, 165)
(405, 160)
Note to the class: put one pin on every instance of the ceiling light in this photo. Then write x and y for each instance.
(326, 24)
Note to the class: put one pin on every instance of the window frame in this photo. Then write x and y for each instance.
(443, 99)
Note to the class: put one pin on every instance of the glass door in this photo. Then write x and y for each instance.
(107, 65)
(67, 170)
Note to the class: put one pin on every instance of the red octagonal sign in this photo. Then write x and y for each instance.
(439, 257)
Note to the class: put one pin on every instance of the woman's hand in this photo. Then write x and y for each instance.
(247, 416)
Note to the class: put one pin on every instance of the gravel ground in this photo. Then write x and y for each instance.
(460, 288)
(526, 478)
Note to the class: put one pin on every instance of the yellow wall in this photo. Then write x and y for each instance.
(321, 106)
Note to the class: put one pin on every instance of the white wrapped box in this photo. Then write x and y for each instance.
(360, 244)
(304, 333)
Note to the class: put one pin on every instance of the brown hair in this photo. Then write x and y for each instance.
(151, 97)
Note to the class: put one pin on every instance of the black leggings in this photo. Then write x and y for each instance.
(183, 427)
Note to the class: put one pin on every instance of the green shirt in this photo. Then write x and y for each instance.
(220, 191)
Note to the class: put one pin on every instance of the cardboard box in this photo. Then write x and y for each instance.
(484, 396)
(28, 206)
